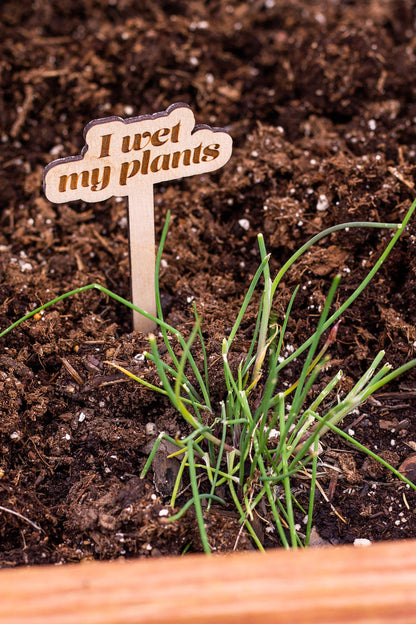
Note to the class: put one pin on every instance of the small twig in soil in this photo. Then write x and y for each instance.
(401, 179)
(23, 111)
(16, 513)
(42, 459)
(398, 395)
(104, 243)
(103, 384)
(332, 485)
(326, 498)
(71, 370)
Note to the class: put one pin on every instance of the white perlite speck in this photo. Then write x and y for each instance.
(362, 541)
(25, 266)
(150, 429)
(323, 203)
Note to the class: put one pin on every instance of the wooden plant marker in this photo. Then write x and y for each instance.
(126, 157)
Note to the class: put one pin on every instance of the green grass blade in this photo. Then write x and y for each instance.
(197, 499)
(296, 405)
(399, 230)
(246, 301)
(250, 359)
(367, 451)
(325, 233)
(190, 502)
(204, 351)
(151, 455)
(287, 488)
(182, 363)
(157, 289)
(178, 479)
(266, 309)
(220, 450)
(312, 493)
(243, 517)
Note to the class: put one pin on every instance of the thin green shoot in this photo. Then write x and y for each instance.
(244, 461)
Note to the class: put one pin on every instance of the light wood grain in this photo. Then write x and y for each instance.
(331, 585)
(142, 256)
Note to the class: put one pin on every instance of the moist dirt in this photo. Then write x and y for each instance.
(319, 98)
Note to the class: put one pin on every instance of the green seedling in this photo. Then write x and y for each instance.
(230, 443)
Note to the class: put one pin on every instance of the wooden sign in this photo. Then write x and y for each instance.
(126, 157)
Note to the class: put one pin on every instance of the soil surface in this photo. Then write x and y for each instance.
(319, 98)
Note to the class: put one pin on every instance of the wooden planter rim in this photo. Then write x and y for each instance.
(375, 584)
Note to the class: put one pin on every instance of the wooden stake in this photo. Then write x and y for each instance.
(142, 255)
(125, 158)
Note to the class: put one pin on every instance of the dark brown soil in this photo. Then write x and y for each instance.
(320, 100)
